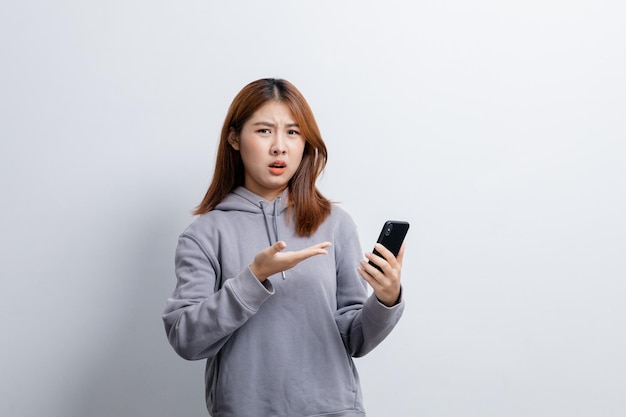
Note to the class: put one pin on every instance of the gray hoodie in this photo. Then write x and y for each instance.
(283, 347)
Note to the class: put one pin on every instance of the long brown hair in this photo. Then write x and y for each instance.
(309, 206)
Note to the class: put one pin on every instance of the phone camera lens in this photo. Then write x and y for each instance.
(388, 230)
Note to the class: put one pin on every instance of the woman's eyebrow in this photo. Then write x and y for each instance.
(270, 124)
(262, 123)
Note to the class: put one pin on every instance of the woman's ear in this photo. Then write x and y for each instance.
(233, 139)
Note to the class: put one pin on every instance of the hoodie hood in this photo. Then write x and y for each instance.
(242, 199)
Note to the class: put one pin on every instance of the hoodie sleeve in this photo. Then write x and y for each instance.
(363, 321)
(199, 319)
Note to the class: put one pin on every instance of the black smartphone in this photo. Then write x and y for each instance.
(391, 236)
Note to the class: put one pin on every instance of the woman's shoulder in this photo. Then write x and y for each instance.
(340, 218)
(338, 211)
(204, 223)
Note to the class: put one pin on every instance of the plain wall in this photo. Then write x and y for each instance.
(496, 128)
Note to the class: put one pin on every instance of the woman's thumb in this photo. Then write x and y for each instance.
(280, 245)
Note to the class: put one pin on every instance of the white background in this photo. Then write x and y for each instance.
(495, 127)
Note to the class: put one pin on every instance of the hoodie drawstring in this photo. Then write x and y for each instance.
(275, 224)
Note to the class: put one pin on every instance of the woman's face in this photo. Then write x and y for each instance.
(271, 148)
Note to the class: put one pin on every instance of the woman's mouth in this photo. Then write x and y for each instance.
(277, 167)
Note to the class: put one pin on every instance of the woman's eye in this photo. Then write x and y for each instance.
(265, 131)
(293, 132)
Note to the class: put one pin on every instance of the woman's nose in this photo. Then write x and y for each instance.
(278, 147)
(277, 151)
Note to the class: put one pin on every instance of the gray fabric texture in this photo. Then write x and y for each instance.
(283, 347)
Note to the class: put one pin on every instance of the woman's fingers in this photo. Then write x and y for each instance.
(385, 283)
(274, 259)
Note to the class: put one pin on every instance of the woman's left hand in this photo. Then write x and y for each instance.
(386, 284)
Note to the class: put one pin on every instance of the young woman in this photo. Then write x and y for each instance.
(271, 279)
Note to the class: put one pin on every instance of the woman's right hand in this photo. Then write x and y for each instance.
(273, 260)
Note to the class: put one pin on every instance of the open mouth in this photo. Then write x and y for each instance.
(277, 167)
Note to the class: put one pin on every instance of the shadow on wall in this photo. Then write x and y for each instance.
(137, 373)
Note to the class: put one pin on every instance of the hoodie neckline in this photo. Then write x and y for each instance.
(242, 199)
